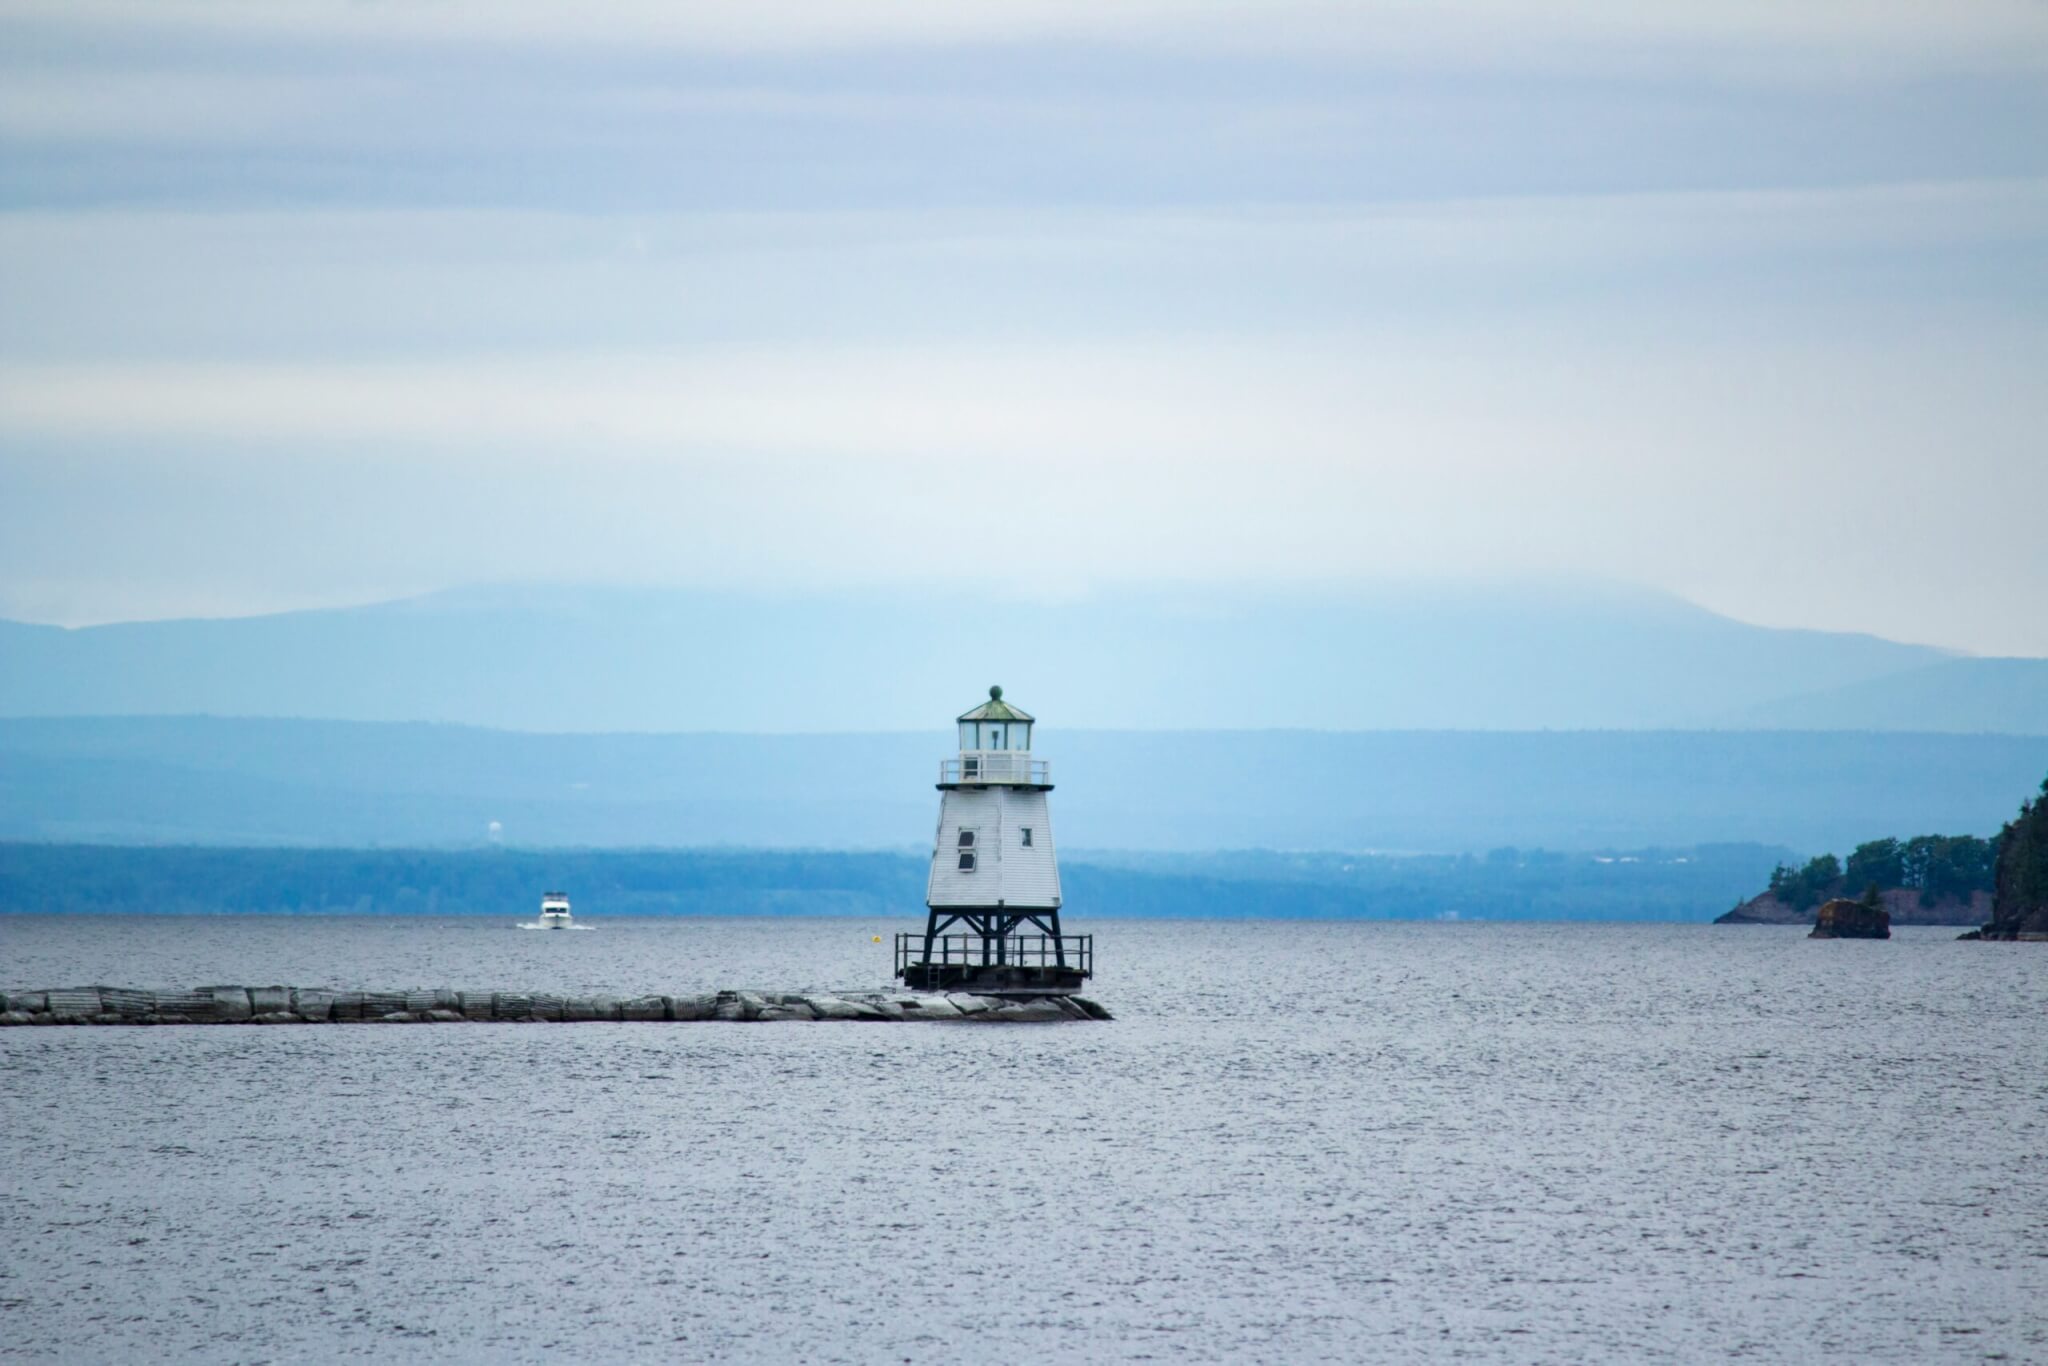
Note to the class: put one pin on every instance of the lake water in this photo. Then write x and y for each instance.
(1297, 1143)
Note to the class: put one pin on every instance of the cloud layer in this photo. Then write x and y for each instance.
(316, 303)
(1487, 31)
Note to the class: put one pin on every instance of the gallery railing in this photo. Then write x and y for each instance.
(996, 767)
(1075, 951)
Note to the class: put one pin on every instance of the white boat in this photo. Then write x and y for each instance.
(554, 911)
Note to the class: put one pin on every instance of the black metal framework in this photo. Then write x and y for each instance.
(992, 956)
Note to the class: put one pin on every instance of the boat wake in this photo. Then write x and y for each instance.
(536, 925)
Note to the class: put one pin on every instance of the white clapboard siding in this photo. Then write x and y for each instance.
(1006, 873)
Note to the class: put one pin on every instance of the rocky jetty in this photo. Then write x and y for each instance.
(1846, 919)
(314, 1005)
(2019, 906)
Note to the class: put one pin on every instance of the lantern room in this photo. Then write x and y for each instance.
(995, 725)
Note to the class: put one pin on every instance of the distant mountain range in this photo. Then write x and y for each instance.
(1426, 720)
(1426, 657)
(2009, 695)
(165, 780)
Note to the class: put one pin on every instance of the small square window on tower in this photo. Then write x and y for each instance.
(1027, 835)
(967, 860)
(966, 839)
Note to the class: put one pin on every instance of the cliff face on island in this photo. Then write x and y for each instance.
(2019, 907)
(1904, 905)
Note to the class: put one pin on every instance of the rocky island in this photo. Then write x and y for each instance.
(1902, 906)
(1846, 919)
(2000, 884)
(1926, 880)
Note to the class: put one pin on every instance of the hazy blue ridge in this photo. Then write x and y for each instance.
(1681, 885)
(2009, 696)
(226, 781)
(1561, 656)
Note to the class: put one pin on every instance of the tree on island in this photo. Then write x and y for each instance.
(2020, 904)
(1948, 865)
(1802, 888)
(1879, 861)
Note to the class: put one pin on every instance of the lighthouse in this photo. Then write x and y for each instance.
(994, 890)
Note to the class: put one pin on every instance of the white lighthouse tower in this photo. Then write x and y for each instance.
(994, 872)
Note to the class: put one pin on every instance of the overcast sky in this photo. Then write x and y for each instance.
(314, 303)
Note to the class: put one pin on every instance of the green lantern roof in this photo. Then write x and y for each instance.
(995, 709)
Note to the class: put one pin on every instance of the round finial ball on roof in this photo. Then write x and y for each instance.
(995, 693)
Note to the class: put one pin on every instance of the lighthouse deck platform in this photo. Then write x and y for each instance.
(1015, 964)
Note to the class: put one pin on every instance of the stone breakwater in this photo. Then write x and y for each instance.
(307, 1005)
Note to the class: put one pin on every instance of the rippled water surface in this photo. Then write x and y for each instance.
(1298, 1142)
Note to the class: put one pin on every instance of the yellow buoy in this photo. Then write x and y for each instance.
(876, 940)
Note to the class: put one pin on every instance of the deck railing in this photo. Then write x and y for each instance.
(996, 766)
(1016, 951)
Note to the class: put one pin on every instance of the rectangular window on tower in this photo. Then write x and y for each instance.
(966, 860)
(1027, 835)
(966, 839)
